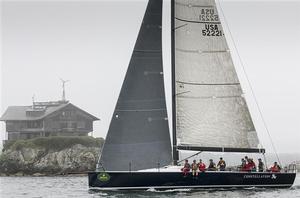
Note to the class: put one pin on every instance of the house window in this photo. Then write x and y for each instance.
(68, 113)
(64, 125)
(34, 124)
(13, 135)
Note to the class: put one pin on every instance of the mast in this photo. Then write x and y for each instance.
(174, 138)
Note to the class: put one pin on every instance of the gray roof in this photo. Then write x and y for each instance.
(19, 112)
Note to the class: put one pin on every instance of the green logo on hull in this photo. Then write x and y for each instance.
(103, 177)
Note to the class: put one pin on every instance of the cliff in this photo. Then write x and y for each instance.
(50, 156)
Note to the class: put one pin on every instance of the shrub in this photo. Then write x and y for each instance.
(8, 144)
(55, 143)
(8, 165)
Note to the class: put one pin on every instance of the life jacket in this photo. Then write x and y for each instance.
(275, 169)
(201, 166)
(250, 166)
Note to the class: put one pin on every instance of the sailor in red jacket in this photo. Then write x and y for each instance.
(250, 166)
(201, 166)
(275, 168)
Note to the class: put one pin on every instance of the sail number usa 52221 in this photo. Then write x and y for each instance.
(212, 30)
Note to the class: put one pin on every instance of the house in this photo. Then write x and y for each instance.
(43, 119)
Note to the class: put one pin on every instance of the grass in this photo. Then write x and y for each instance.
(56, 143)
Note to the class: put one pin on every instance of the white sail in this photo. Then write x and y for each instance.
(210, 108)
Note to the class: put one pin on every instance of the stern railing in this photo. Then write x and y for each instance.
(292, 168)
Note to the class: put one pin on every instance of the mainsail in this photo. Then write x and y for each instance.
(211, 112)
(138, 136)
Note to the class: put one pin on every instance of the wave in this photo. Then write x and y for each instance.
(296, 187)
(169, 190)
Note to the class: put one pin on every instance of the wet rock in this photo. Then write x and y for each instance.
(38, 161)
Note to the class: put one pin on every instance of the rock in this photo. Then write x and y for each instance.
(28, 154)
(38, 161)
(38, 174)
(3, 175)
(18, 174)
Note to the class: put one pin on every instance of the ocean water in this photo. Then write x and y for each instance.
(40, 187)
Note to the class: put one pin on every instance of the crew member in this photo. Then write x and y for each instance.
(201, 166)
(221, 164)
(275, 168)
(242, 167)
(186, 168)
(194, 168)
(250, 166)
(261, 165)
(212, 166)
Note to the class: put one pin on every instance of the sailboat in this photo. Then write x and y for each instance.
(210, 113)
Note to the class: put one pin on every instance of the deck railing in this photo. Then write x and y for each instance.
(292, 168)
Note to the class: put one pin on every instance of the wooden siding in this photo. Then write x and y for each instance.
(13, 126)
(68, 121)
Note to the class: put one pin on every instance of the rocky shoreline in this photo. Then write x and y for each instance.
(32, 160)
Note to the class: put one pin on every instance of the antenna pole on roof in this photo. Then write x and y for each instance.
(63, 86)
(33, 101)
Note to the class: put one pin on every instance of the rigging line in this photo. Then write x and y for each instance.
(182, 93)
(199, 6)
(190, 156)
(248, 80)
(180, 26)
(193, 83)
(205, 22)
(202, 51)
(139, 110)
(210, 97)
(99, 158)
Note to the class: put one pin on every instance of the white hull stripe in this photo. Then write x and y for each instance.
(188, 187)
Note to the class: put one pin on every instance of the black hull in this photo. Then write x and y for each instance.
(173, 180)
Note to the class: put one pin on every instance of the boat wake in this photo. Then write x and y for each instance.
(296, 187)
(169, 190)
(158, 193)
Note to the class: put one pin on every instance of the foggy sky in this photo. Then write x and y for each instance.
(90, 44)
